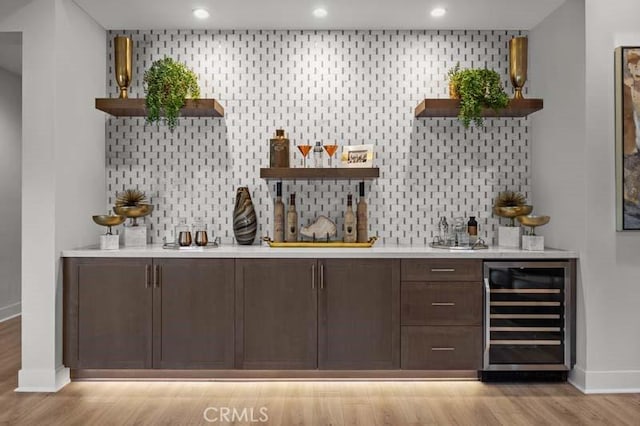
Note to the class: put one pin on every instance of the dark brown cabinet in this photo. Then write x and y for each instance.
(193, 313)
(108, 311)
(328, 314)
(144, 313)
(359, 314)
(276, 313)
(441, 314)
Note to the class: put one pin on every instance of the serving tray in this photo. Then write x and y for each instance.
(320, 244)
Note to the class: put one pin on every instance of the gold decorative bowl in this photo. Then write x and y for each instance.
(512, 212)
(134, 212)
(533, 220)
(108, 221)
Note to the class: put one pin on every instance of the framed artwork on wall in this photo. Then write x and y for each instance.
(627, 98)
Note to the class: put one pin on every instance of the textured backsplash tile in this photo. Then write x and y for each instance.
(349, 87)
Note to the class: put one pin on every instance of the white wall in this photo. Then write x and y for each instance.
(63, 137)
(612, 267)
(10, 192)
(574, 181)
(558, 149)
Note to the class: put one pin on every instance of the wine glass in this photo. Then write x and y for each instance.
(304, 150)
(331, 150)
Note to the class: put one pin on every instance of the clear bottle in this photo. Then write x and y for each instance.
(291, 234)
(361, 216)
(318, 155)
(350, 222)
(278, 215)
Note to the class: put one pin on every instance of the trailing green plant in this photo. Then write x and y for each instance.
(167, 85)
(477, 88)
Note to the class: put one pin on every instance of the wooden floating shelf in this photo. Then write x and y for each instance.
(451, 108)
(290, 173)
(136, 107)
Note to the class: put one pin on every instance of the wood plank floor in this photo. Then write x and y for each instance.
(302, 403)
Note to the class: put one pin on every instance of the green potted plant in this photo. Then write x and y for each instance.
(167, 85)
(477, 89)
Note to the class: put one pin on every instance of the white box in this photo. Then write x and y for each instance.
(509, 236)
(533, 242)
(135, 236)
(109, 242)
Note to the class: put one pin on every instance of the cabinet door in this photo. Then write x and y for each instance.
(276, 313)
(108, 313)
(359, 314)
(193, 313)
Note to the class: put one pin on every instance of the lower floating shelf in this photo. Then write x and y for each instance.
(320, 244)
(338, 173)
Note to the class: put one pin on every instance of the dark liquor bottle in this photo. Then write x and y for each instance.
(349, 222)
(361, 214)
(278, 215)
(291, 233)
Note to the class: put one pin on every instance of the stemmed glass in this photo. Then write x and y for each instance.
(331, 150)
(304, 150)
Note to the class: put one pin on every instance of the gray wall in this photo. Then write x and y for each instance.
(10, 192)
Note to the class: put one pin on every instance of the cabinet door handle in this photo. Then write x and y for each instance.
(147, 276)
(443, 269)
(443, 304)
(313, 276)
(443, 349)
(158, 276)
(322, 276)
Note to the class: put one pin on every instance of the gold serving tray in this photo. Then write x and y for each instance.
(320, 244)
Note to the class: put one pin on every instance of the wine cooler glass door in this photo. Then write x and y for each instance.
(526, 316)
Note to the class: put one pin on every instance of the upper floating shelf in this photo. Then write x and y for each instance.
(451, 108)
(136, 107)
(290, 173)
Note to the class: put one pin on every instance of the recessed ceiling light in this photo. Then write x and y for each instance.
(320, 12)
(438, 12)
(201, 13)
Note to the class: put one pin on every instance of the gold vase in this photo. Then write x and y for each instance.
(123, 47)
(518, 64)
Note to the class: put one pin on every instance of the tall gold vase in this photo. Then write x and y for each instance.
(518, 64)
(123, 47)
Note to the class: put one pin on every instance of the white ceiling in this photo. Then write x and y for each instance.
(11, 52)
(297, 14)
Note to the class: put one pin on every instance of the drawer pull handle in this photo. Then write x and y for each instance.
(443, 304)
(443, 349)
(443, 270)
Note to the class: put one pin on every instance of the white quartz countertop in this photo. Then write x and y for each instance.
(378, 251)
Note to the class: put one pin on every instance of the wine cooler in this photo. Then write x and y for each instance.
(528, 316)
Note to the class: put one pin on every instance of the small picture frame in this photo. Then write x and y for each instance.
(357, 156)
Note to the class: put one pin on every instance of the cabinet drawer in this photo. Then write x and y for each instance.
(448, 303)
(441, 348)
(441, 270)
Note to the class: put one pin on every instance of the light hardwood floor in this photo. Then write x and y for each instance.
(303, 403)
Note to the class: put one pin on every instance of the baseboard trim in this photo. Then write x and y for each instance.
(594, 382)
(43, 380)
(10, 311)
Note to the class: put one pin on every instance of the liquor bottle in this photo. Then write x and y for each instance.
(472, 229)
(361, 213)
(349, 222)
(318, 155)
(279, 150)
(278, 215)
(292, 221)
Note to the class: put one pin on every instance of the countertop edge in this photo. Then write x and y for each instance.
(262, 251)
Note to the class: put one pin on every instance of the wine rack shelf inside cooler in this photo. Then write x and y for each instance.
(526, 315)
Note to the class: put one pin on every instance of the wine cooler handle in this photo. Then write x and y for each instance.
(322, 276)
(487, 324)
(313, 276)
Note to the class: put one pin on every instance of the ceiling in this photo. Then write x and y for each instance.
(297, 14)
(11, 52)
